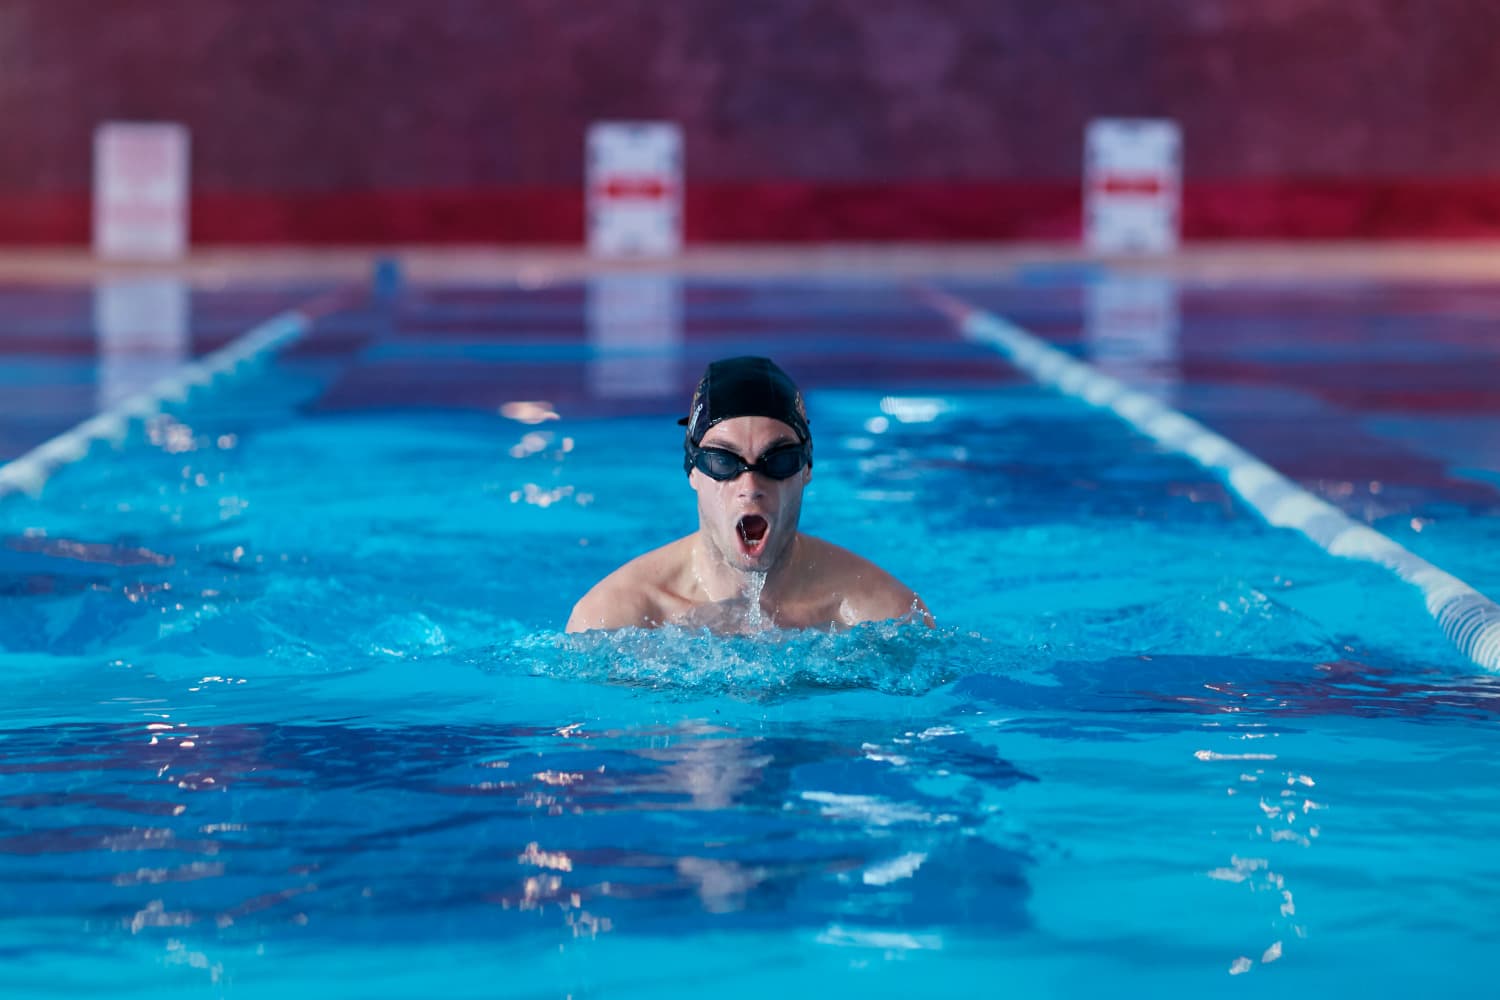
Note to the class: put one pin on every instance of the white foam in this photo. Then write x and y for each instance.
(893, 657)
(893, 870)
(855, 937)
(872, 810)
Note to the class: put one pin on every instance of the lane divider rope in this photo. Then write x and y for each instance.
(30, 472)
(1467, 617)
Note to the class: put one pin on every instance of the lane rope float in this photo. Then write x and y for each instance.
(1469, 619)
(29, 473)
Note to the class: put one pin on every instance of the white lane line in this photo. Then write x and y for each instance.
(1468, 618)
(30, 472)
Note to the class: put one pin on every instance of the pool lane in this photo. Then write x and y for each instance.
(1469, 618)
(1370, 397)
(636, 344)
(69, 352)
(1380, 398)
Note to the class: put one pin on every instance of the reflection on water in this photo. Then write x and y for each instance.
(1131, 326)
(902, 832)
(635, 335)
(142, 328)
(243, 832)
(1278, 804)
(1123, 762)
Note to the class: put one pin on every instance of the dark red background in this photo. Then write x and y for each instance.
(351, 121)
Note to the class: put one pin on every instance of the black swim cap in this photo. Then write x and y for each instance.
(745, 387)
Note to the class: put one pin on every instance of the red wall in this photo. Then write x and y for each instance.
(325, 121)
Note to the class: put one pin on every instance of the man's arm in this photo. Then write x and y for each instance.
(635, 594)
(877, 596)
(610, 605)
(891, 599)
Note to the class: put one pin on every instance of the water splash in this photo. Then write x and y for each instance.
(754, 615)
(891, 657)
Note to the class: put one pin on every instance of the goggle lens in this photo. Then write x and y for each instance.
(778, 463)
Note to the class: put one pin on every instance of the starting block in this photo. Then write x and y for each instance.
(1132, 178)
(140, 190)
(634, 189)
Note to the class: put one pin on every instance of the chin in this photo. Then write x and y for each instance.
(756, 563)
(750, 561)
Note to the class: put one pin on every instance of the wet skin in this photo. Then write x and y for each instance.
(747, 566)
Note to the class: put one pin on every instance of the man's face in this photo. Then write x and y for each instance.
(749, 521)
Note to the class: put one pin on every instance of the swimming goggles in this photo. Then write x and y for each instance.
(782, 462)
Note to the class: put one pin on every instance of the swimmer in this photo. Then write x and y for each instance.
(748, 456)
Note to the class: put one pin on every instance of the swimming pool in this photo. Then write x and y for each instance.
(289, 711)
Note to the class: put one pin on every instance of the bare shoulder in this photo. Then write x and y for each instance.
(635, 594)
(869, 593)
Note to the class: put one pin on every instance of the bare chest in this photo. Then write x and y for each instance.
(739, 615)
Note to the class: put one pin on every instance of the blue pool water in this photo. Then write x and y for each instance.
(289, 712)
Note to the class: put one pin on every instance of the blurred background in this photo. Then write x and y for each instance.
(352, 122)
(324, 396)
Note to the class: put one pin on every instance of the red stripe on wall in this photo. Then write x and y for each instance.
(1342, 209)
(809, 212)
(52, 219)
(795, 211)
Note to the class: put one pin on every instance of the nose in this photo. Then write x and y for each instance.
(750, 484)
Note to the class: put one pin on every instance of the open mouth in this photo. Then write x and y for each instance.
(752, 529)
